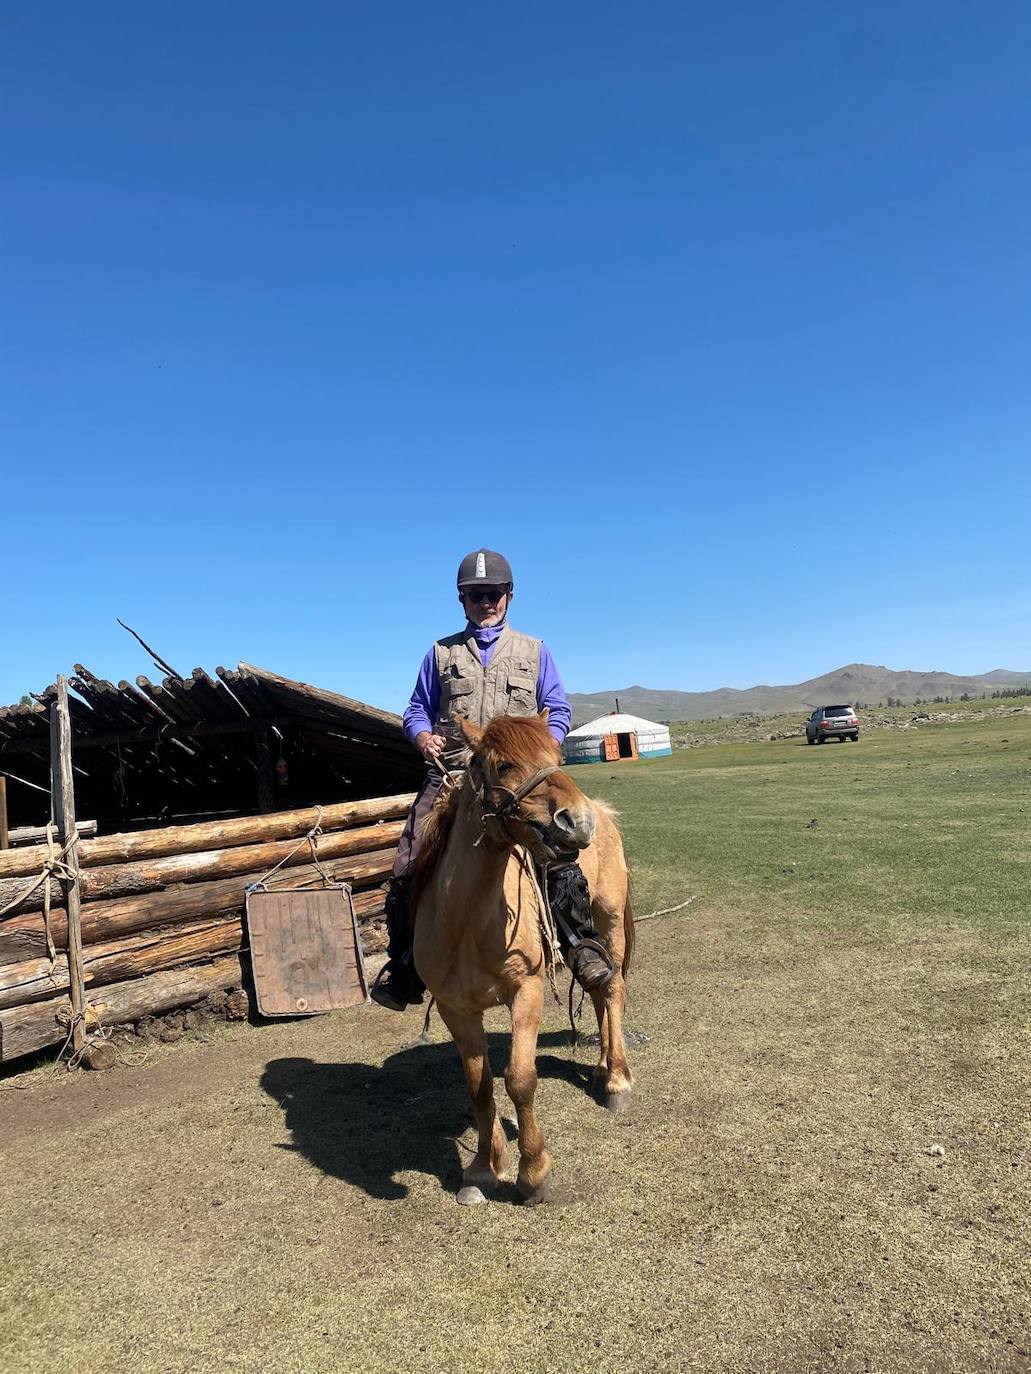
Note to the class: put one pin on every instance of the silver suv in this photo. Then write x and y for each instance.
(826, 722)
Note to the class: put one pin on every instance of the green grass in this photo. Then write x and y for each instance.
(913, 829)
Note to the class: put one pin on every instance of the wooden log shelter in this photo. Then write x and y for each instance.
(133, 819)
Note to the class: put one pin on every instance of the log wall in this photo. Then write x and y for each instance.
(162, 910)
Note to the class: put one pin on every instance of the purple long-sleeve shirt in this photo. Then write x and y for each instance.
(421, 710)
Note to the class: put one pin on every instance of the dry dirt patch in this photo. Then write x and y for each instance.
(826, 1169)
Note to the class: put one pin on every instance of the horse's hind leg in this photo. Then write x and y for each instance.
(613, 1071)
(480, 1177)
(521, 1082)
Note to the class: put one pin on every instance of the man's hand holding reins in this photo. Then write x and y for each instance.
(430, 746)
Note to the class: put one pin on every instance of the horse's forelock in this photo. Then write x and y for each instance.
(522, 740)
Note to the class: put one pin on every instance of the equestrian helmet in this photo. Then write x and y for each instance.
(484, 568)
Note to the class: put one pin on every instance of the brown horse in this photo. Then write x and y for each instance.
(478, 941)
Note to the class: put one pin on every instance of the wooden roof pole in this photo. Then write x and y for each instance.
(62, 794)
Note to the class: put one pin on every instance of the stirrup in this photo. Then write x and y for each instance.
(599, 978)
(394, 989)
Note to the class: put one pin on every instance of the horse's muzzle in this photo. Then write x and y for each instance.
(570, 830)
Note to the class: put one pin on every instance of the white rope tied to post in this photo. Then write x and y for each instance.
(51, 948)
(53, 866)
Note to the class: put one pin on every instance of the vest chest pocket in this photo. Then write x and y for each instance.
(456, 694)
(522, 689)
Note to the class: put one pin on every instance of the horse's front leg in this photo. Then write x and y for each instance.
(613, 1071)
(480, 1178)
(521, 1082)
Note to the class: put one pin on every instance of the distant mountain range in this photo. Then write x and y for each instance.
(858, 682)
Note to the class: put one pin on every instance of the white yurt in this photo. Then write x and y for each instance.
(617, 736)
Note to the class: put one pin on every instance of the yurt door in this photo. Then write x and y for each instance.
(611, 748)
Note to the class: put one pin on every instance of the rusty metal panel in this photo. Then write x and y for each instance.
(305, 951)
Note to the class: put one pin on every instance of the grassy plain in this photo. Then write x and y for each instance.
(827, 1167)
(928, 825)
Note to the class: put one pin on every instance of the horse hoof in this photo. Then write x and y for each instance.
(470, 1196)
(618, 1103)
(534, 1197)
(547, 1193)
(598, 1086)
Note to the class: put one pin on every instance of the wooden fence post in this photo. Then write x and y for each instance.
(62, 793)
(4, 836)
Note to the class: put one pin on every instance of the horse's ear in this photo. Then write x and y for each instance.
(473, 733)
(543, 715)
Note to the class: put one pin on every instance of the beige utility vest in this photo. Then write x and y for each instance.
(506, 687)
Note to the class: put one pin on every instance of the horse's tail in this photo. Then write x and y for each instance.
(629, 929)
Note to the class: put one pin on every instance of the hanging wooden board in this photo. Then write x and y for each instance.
(305, 951)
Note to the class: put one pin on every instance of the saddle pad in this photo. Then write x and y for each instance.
(305, 951)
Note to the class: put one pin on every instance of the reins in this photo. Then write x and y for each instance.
(507, 811)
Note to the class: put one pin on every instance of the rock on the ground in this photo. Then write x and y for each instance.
(237, 1005)
(101, 1055)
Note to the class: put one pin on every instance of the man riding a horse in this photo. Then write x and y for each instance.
(486, 670)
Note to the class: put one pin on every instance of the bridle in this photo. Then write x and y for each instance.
(509, 810)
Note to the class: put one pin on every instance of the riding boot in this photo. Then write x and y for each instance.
(582, 948)
(398, 985)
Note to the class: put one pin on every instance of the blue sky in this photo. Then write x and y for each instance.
(715, 319)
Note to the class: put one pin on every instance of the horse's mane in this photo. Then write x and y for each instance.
(434, 836)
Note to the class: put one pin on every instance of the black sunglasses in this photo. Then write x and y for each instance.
(478, 594)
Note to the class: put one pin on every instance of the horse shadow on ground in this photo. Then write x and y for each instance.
(367, 1124)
